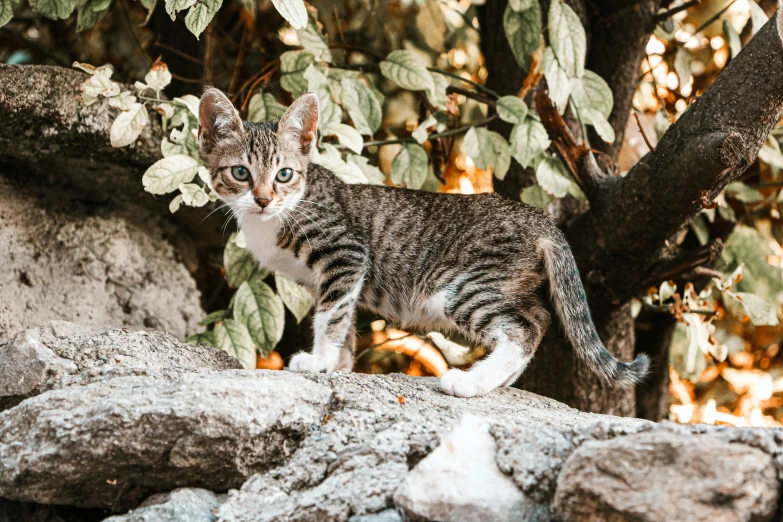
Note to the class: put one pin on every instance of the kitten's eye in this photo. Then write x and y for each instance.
(285, 175)
(240, 173)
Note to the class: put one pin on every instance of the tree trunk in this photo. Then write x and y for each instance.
(622, 243)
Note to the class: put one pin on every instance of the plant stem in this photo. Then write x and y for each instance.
(444, 134)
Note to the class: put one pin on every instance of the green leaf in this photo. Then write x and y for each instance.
(758, 17)
(168, 174)
(201, 14)
(175, 203)
(535, 196)
(233, 338)
(239, 264)
(128, 125)
(174, 6)
(215, 317)
(602, 126)
(512, 109)
(421, 134)
(362, 106)
(7, 10)
(759, 311)
(207, 338)
(523, 32)
(371, 172)
(261, 311)
(438, 96)
(293, 64)
(53, 8)
(567, 37)
(682, 65)
(348, 136)
(556, 79)
(88, 12)
(553, 177)
(591, 91)
(330, 158)
(741, 192)
(193, 195)
(404, 69)
(488, 148)
(293, 11)
(318, 83)
(409, 167)
(312, 40)
(528, 140)
(294, 296)
(732, 37)
(264, 107)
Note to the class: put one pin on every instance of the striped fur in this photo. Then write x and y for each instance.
(473, 264)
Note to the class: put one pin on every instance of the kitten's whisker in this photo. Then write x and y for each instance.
(218, 208)
(308, 218)
(311, 202)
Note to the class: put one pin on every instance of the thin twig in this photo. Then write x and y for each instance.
(674, 10)
(469, 82)
(444, 134)
(668, 309)
(133, 34)
(185, 79)
(247, 35)
(262, 80)
(472, 95)
(179, 53)
(714, 17)
(641, 131)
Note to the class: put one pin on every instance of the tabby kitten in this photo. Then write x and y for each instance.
(473, 264)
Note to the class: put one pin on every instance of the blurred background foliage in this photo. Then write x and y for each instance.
(723, 367)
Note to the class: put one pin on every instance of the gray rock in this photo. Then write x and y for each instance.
(51, 134)
(378, 427)
(61, 354)
(460, 480)
(661, 476)
(387, 515)
(110, 444)
(61, 262)
(51, 140)
(180, 505)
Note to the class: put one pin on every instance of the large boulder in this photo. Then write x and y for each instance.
(61, 354)
(660, 476)
(63, 259)
(108, 434)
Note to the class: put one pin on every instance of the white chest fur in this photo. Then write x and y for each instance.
(261, 239)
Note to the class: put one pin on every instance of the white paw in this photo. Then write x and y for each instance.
(461, 384)
(307, 362)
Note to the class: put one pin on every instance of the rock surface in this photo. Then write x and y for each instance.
(61, 354)
(112, 443)
(659, 476)
(349, 448)
(48, 132)
(180, 505)
(50, 139)
(60, 262)
(460, 480)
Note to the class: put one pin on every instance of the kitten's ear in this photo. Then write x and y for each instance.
(300, 121)
(217, 120)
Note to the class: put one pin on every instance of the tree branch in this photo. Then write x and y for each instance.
(717, 138)
(577, 157)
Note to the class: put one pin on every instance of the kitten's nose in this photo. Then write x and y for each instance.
(262, 202)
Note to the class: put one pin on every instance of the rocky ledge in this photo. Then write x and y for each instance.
(136, 426)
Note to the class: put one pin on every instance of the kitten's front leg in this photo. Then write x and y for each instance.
(332, 325)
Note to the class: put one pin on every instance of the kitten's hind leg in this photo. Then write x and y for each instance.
(513, 344)
(345, 364)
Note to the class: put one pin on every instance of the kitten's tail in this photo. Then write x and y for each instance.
(570, 300)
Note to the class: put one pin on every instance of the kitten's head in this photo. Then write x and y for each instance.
(259, 169)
